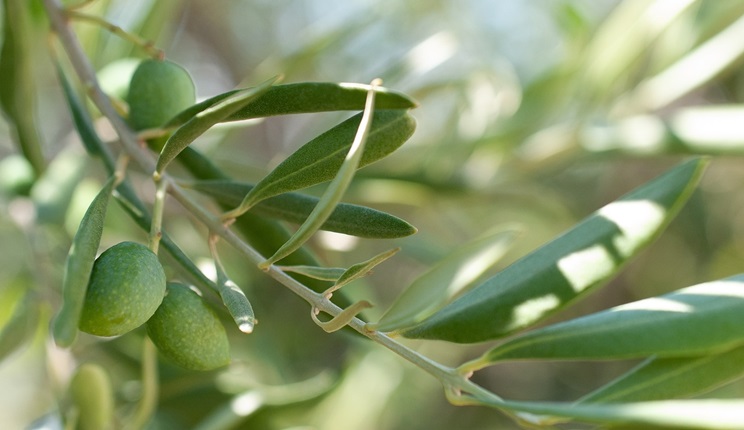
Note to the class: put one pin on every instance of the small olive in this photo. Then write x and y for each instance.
(159, 89)
(187, 331)
(92, 394)
(126, 287)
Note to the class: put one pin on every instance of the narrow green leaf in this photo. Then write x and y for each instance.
(698, 320)
(670, 414)
(236, 303)
(320, 159)
(316, 272)
(17, 87)
(362, 269)
(304, 97)
(668, 378)
(447, 279)
(346, 218)
(205, 120)
(79, 265)
(567, 268)
(335, 191)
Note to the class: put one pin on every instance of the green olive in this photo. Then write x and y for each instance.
(93, 395)
(126, 287)
(158, 90)
(187, 331)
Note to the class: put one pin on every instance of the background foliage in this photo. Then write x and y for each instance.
(536, 112)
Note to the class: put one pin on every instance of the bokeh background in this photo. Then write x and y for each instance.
(536, 112)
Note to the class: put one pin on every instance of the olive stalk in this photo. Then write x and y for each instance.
(455, 384)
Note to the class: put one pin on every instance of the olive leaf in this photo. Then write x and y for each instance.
(666, 378)
(232, 296)
(346, 218)
(315, 272)
(362, 269)
(706, 414)
(81, 119)
(447, 278)
(566, 268)
(17, 88)
(303, 97)
(320, 159)
(204, 120)
(16, 302)
(78, 268)
(335, 191)
(698, 320)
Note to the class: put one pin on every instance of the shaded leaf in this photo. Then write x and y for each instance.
(304, 97)
(566, 268)
(446, 279)
(320, 159)
(346, 218)
(693, 321)
(668, 378)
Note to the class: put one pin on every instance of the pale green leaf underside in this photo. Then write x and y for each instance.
(671, 414)
(568, 267)
(206, 119)
(346, 218)
(362, 269)
(448, 278)
(316, 272)
(668, 378)
(320, 159)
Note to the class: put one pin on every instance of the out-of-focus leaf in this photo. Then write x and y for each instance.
(568, 267)
(17, 88)
(346, 218)
(320, 159)
(670, 414)
(668, 378)
(204, 120)
(689, 73)
(81, 119)
(17, 328)
(305, 97)
(448, 278)
(333, 193)
(53, 191)
(698, 320)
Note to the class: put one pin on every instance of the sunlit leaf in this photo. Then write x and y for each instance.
(698, 320)
(668, 378)
(570, 266)
(362, 269)
(446, 279)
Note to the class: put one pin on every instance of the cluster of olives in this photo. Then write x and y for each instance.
(127, 286)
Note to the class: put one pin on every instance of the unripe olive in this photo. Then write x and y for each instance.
(187, 331)
(126, 287)
(159, 89)
(92, 394)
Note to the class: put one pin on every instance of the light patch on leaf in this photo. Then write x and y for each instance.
(657, 304)
(638, 220)
(584, 268)
(533, 309)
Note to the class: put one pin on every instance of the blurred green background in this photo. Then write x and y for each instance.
(533, 112)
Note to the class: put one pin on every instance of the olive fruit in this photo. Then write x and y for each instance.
(187, 331)
(126, 286)
(92, 394)
(159, 89)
